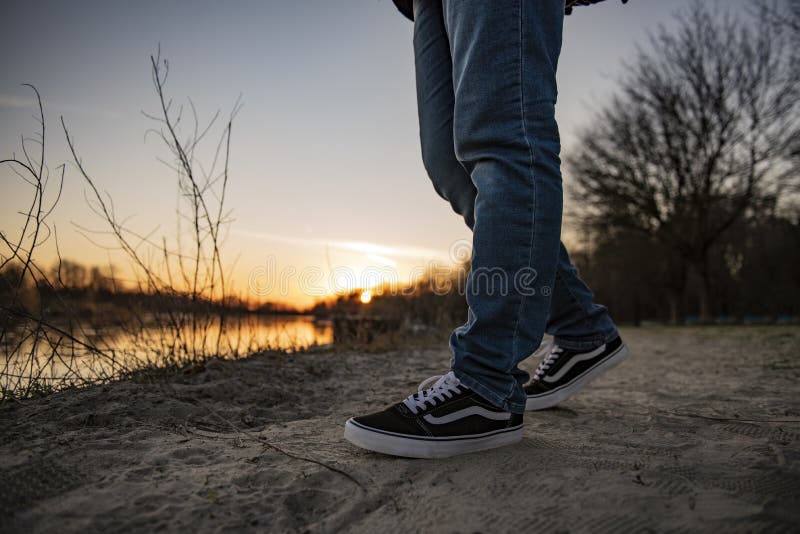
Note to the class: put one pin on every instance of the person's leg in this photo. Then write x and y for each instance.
(585, 341)
(445, 416)
(504, 57)
(574, 319)
(435, 104)
(508, 155)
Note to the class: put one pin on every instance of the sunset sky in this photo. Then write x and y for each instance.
(325, 163)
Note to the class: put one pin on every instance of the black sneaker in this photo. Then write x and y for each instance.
(442, 419)
(563, 372)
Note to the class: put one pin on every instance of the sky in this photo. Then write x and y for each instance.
(326, 181)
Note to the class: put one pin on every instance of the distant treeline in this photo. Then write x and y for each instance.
(754, 273)
(95, 295)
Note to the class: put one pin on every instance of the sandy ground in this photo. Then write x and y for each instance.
(698, 431)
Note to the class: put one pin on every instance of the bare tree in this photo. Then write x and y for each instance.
(698, 137)
(39, 354)
(187, 277)
(784, 15)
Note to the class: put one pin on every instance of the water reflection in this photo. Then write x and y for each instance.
(287, 333)
(122, 348)
(239, 337)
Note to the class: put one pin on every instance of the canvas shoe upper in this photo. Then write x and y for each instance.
(443, 418)
(563, 372)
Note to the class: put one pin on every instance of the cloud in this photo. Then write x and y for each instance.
(382, 260)
(379, 253)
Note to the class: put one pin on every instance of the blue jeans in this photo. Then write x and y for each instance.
(486, 91)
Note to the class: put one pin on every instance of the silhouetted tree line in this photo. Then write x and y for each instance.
(753, 271)
(96, 297)
(686, 183)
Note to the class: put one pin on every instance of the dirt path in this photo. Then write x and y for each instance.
(698, 431)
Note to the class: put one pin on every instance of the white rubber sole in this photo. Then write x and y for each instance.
(423, 447)
(555, 396)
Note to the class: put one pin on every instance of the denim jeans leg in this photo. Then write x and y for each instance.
(435, 104)
(576, 321)
(504, 56)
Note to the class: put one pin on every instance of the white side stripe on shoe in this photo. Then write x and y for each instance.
(570, 364)
(466, 412)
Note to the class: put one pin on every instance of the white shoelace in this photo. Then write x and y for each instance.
(553, 352)
(433, 390)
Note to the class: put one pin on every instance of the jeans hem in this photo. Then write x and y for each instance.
(488, 394)
(582, 344)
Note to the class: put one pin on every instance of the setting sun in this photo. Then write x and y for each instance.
(366, 297)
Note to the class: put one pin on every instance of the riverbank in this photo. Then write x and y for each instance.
(699, 430)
